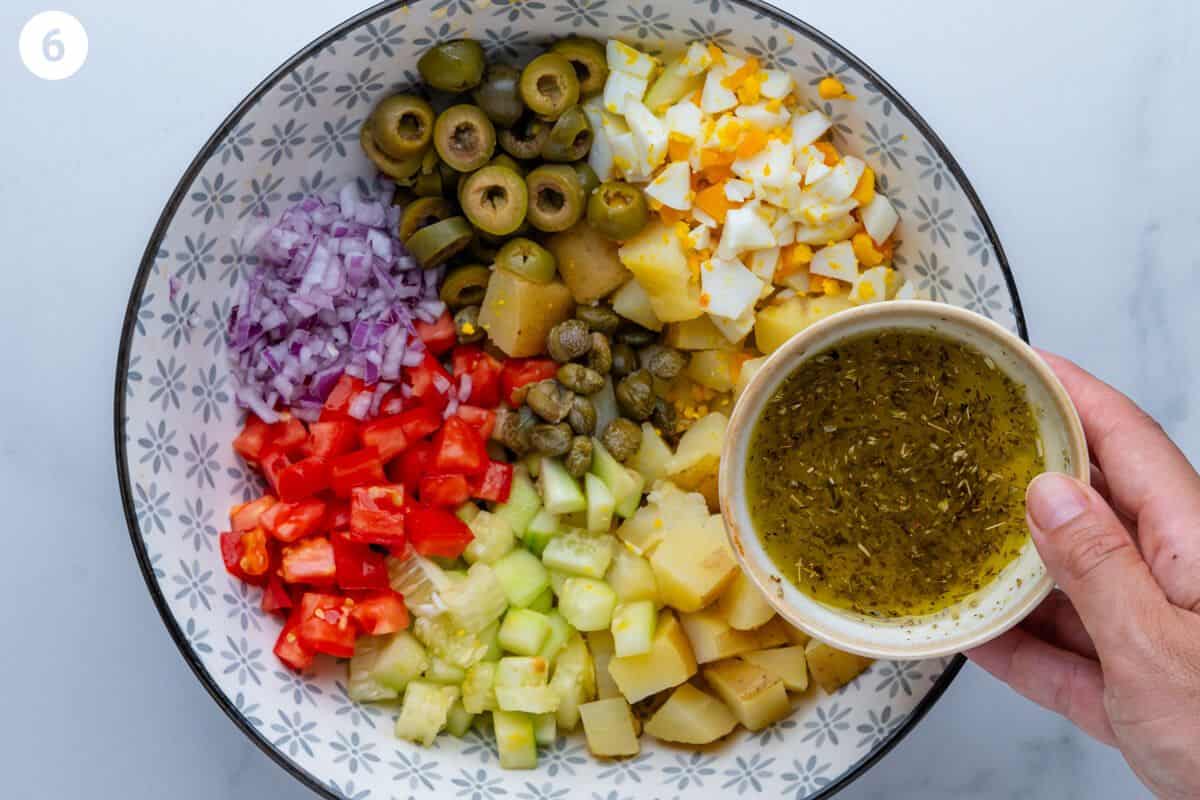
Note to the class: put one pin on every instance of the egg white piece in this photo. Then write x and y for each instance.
(744, 230)
(833, 231)
(627, 157)
(715, 98)
(879, 218)
(815, 210)
(701, 216)
(763, 263)
(623, 58)
(696, 59)
(759, 114)
(731, 288)
(839, 184)
(786, 196)
(811, 162)
(738, 191)
(777, 85)
(771, 166)
(600, 156)
(835, 261)
(621, 89)
(735, 330)
(784, 230)
(684, 120)
(672, 186)
(909, 291)
(649, 133)
(808, 127)
(870, 287)
(798, 281)
(700, 237)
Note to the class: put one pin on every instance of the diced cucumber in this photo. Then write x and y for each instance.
(445, 673)
(493, 538)
(543, 602)
(458, 720)
(523, 577)
(523, 631)
(523, 503)
(675, 82)
(467, 512)
(633, 628)
(448, 640)
(521, 685)
(587, 603)
(477, 600)
(522, 671)
(617, 478)
(544, 527)
(515, 739)
(490, 636)
(574, 681)
(560, 492)
(576, 519)
(632, 577)
(579, 553)
(478, 689)
(629, 506)
(557, 579)
(362, 685)
(424, 711)
(420, 581)
(400, 660)
(560, 632)
(600, 504)
(545, 729)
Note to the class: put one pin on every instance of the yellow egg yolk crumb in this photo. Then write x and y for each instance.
(865, 251)
(830, 88)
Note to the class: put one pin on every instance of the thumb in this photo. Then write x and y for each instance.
(1091, 555)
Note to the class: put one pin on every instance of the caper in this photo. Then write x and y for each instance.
(525, 138)
(636, 335)
(465, 286)
(549, 86)
(635, 395)
(494, 198)
(599, 318)
(622, 438)
(588, 58)
(512, 429)
(436, 244)
(550, 400)
(588, 180)
(396, 168)
(402, 125)
(466, 325)
(582, 416)
(422, 212)
(556, 200)
(581, 379)
(500, 94)
(570, 138)
(624, 360)
(599, 357)
(579, 457)
(663, 362)
(551, 440)
(664, 418)
(568, 340)
(464, 137)
(454, 66)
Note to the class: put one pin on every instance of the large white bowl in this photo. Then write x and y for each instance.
(297, 132)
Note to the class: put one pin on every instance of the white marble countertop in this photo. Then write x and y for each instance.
(1075, 121)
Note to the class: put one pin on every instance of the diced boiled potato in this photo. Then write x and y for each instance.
(826, 306)
(667, 509)
(587, 262)
(632, 303)
(697, 334)
(631, 577)
(600, 645)
(633, 628)
(777, 323)
(716, 369)
(691, 716)
(832, 668)
(653, 456)
(699, 452)
(610, 728)
(786, 663)
(796, 636)
(518, 313)
(692, 570)
(669, 662)
(711, 637)
(658, 260)
(744, 606)
(746, 374)
(775, 633)
(755, 697)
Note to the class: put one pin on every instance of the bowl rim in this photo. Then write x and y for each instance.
(958, 324)
(205, 154)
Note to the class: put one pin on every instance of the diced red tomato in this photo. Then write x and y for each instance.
(245, 516)
(272, 464)
(337, 515)
(275, 595)
(337, 404)
(495, 484)
(438, 336)
(377, 515)
(326, 625)
(484, 370)
(360, 468)
(459, 448)
(416, 463)
(288, 522)
(429, 382)
(386, 435)
(358, 566)
(481, 419)
(444, 491)
(303, 479)
(519, 372)
(331, 438)
(289, 434)
(419, 422)
(309, 561)
(437, 532)
(288, 647)
(380, 613)
(246, 555)
(252, 442)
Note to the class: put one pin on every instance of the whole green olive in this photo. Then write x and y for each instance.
(402, 125)
(454, 66)
(579, 457)
(551, 439)
(663, 362)
(499, 95)
(568, 340)
(524, 138)
(617, 210)
(589, 60)
(550, 400)
(582, 416)
(570, 138)
(466, 325)
(622, 438)
(624, 360)
(580, 379)
(600, 356)
(528, 259)
(635, 395)
(464, 137)
(549, 85)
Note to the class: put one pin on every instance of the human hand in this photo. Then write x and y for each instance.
(1117, 649)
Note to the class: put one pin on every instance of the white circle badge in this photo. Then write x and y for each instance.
(53, 45)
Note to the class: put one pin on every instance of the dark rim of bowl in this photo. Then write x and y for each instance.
(208, 150)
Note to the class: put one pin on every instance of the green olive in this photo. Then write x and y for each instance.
(580, 379)
(635, 395)
(550, 400)
(589, 60)
(436, 244)
(549, 86)
(402, 125)
(582, 416)
(500, 94)
(599, 318)
(483, 250)
(494, 198)
(622, 438)
(663, 362)
(578, 459)
(505, 160)
(624, 360)
(454, 66)
(524, 139)
(528, 259)
(465, 285)
(600, 357)
(636, 336)
(570, 138)
(396, 168)
(422, 212)
(466, 325)
(428, 184)
(464, 137)
(555, 197)
(588, 180)
(551, 440)
(617, 210)
(568, 340)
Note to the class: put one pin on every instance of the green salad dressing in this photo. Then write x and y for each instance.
(887, 474)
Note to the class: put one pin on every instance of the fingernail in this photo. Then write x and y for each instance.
(1053, 500)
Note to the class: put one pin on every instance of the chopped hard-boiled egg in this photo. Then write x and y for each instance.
(776, 85)
(871, 286)
(716, 96)
(879, 217)
(835, 261)
(735, 330)
(600, 156)
(771, 166)
(768, 116)
(807, 128)
(738, 191)
(784, 230)
(909, 291)
(700, 237)
(649, 133)
(696, 59)
(727, 288)
(672, 186)
(764, 262)
(833, 231)
(816, 210)
(745, 229)
(621, 89)
(839, 184)
(684, 120)
(629, 60)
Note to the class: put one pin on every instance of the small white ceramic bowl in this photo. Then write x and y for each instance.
(986, 613)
